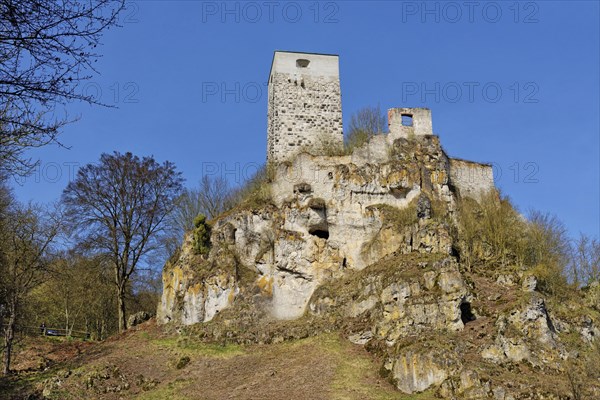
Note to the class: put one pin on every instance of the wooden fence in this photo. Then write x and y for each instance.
(47, 331)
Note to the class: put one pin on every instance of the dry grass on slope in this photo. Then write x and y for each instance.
(148, 364)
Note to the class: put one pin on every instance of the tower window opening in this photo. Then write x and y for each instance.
(302, 63)
(407, 120)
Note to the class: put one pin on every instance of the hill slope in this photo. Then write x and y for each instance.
(149, 363)
(449, 287)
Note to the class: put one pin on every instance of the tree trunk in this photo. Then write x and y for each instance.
(9, 335)
(122, 315)
(66, 319)
(97, 330)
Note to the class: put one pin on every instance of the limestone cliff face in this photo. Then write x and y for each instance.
(330, 215)
(399, 297)
(364, 244)
(190, 297)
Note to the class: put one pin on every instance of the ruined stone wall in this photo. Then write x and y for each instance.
(304, 107)
(471, 179)
(420, 122)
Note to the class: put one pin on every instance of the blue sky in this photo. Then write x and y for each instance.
(515, 84)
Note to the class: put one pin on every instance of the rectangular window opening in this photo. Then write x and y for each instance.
(407, 120)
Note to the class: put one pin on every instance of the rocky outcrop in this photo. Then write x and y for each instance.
(330, 215)
(407, 295)
(364, 245)
(418, 371)
(195, 289)
(138, 318)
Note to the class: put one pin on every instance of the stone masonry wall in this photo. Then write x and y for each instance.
(305, 112)
(472, 179)
(421, 122)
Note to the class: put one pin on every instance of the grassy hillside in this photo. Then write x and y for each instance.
(148, 363)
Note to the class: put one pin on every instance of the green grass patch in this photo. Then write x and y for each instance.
(170, 391)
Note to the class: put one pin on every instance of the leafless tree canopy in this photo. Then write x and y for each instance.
(212, 197)
(47, 48)
(369, 120)
(214, 194)
(119, 208)
(585, 264)
(26, 238)
(364, 123)
(551, 236)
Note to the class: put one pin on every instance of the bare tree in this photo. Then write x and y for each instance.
(181, 220)
(26, 238)
(47, 48)
(210, 198)
(549, 241)
(364, 123)
(585, 264)
(6, 199)
(118, 207)
(368, 119)
(214, 194)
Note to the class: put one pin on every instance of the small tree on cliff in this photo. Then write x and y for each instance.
(118, 208)
(201, 235)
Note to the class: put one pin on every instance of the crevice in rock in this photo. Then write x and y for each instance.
(294, 273)
(320, 233)
(302, 188)
(370, 193)
(400, 192)
(319, 226)
(454, 252)
(466, 314)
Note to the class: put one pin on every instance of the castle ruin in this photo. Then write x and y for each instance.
(325, 211)
(366, 244)
(305, 115)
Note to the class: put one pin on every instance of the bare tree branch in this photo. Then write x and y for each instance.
(47, 49)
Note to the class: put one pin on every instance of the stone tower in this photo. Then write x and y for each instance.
(304, 106)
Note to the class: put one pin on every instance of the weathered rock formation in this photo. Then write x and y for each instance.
(329, 215)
